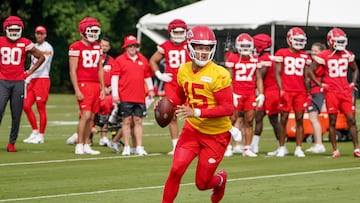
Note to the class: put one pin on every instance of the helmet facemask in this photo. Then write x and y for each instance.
(245, 48)
(13, 32)
(340, 43)
(201, 57)
(178, 35)
(92, 33)
(298, 42)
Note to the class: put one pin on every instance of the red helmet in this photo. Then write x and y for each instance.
(16, 25)
(296, 38)
(262, 42)
(336, 39)
(90, 28)
(244, 44)
(201, 35)
(177, 30)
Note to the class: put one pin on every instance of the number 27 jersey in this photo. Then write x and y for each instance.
(293, 66)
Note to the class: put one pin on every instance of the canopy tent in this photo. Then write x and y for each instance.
(254, 15)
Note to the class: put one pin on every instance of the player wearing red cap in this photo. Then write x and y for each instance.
(13, 51)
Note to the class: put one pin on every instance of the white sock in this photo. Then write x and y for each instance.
(298, 148)
(41, 135)
(35, 131)
(255, 140)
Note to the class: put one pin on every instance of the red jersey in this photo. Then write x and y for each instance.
(243, 73)
(319, 73)
(335, 68)
(131, 77)
(89, 59)
(12, 57)
(266, 61)
(108, 66)
(292, 69)
(174, 55)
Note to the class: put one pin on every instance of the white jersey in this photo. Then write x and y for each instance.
(44, 70)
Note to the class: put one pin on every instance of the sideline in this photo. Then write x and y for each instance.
(73, 160)
(186, 184)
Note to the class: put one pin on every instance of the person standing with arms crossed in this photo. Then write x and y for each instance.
(291, 68)
(87, 77)
(38, 87)
(13, 51)
(175, 53)
(338, 92)
(204, 99)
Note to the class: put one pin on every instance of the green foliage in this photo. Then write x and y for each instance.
(118, 18)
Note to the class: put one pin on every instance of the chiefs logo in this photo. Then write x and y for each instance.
(190, 34)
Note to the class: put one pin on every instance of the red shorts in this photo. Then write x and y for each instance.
(91, 92)
(38, 88)
(106, 105)
(246, 103)
(336, 101)
(293, 100)
(271, 104)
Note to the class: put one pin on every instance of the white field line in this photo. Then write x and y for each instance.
(186, 184)
(73, 160)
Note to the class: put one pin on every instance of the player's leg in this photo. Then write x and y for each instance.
(332, 134)
(28, 103)
(299, 133)
(249, 120)
(259, 116)
(281, 152)
(314, 110)
(170, 89)
(139, 112)
(16, 106)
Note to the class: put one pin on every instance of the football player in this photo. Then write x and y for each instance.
(246, 77)
(262, 44)
(204, 99)
(13, 51)
(87, 77)
(291, 65)
(338, 91)
(175, 53)
(38, 87)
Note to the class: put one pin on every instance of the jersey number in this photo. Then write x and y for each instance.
(91, 58)
(176, 58)
(242, 73)
(338, 67)
(10, 55)
(294, 66)
(191, 91)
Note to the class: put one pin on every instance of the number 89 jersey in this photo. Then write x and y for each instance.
(89, 59)
(292, 69)
(12, 58)
(336, 68)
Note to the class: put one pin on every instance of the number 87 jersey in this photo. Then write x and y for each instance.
(293, 66)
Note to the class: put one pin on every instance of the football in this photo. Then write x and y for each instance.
(164, 112)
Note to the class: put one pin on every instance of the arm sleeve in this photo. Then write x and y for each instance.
(225, 105)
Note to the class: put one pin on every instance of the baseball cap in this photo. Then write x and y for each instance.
(40, 29)
(129, 40)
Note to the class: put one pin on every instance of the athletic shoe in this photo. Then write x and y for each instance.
(140, 151)
(336, 154)
(38, 139)
(254, 148)
(32, 136)
(228, 151)
(249, 153)
(72, 140)
(88, 150)
(281, 152)
(299, 153)
(79, 149)
(274, 153)
(317, 148)
(219, 191)
(104, 141)
(238, 149)
(357, 153)
(126, 151)
(11, 148)
(132, 150)
(114, 147)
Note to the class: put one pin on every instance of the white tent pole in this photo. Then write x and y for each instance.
(273, 38)
(138, 35)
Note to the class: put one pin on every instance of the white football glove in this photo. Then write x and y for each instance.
(235, 99)
(236, 134)
(260, 99)
(166, 77)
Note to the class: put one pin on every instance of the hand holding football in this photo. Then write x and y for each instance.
(164, 111)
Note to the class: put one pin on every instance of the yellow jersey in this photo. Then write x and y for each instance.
(199, 88)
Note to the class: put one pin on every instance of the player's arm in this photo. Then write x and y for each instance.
(40, 59)
(101, 79)
(277, 68)
(355, 75)
(154, 61)
(73, 66)
(311, 72)
(259, 81)
(307, 79)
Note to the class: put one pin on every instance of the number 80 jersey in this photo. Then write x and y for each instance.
(89, 59)
(293, 66)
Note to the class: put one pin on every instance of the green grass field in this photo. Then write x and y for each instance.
(51, 172)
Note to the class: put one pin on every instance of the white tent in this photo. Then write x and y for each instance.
(245, 14)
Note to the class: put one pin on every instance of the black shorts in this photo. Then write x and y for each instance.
(317, 102)
(132, 109)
